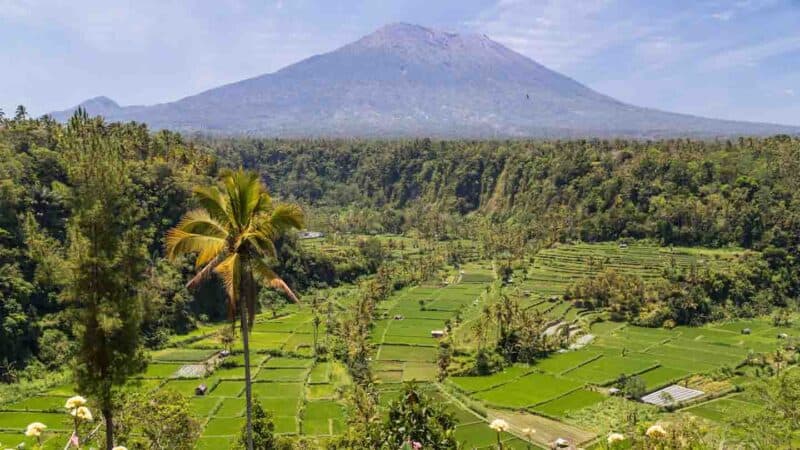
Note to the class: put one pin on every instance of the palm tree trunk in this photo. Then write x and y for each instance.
(248, 387)
(109, 418)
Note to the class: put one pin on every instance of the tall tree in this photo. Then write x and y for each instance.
(233, 234)
(21, 113)
(107, 262)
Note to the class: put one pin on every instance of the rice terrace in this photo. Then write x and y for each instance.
(305, 393)
(527, 224)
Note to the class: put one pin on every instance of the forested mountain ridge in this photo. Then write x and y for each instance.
(740, 192)
(410, 81)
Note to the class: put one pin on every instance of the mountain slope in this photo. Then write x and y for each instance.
(406, 80)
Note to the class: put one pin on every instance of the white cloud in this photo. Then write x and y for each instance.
(555, 33)
(723, 16)
(751, 55)
(562, 34)
(735, 9)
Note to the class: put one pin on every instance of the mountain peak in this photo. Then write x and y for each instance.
(402, 28)
(405, 34)
(410, 80)
(100, 102)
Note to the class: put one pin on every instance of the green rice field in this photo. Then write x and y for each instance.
(305, 395)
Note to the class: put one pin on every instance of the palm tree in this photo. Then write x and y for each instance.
(232, 234)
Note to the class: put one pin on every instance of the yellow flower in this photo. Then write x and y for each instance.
(75, 402)
(613, 438)
(656, 431)
(528, 431)
(35, 429)
(82, 413)
(499, 425)
(119, 447)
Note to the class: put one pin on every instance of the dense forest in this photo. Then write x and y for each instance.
(711, 193)
(43, 165)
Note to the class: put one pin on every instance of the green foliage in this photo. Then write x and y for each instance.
(743, 287)
(264, 437)
(623, 295)
(487, 362)
(521, 333)
(41, 189)
(107, 260)
(155, 422)
(415, 418)
(778, 422)
(631, 387)
(232, 236)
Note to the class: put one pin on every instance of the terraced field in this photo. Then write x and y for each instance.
(406, 350)
(555, 269)
(302, 394)
(566, 382)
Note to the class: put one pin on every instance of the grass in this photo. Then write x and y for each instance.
(228, 389)
(39, 403)
(661, 376)
(185, 387)
(407, 353)
(271, 390)
(410, 340)
(319, 415)
(573, 401)
(213, 442)
(223, 426)
(161, 370)
(182, 355)
(17, 421)
(260, 342)
(528, 391)
(420, 371)
(280, 406)
(482, 383)
(479, 435)
(231, 407)
(283, 374)
(282, 362)
(606, 369)
(561, 362)
(321, 391)
(720, 409)
(203, 406)
(320, 373)
(285, 424)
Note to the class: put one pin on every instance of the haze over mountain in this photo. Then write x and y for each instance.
(407, 80)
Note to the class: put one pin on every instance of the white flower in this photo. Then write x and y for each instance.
(528, 431)
(82, 413)
(35, 429)
(119, 447)
(75, 402)
(613, 438)
(656, 431)
(499, 425)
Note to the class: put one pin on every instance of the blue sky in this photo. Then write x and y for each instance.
(733, 59)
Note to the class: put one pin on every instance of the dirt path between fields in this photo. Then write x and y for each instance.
(547, 430)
